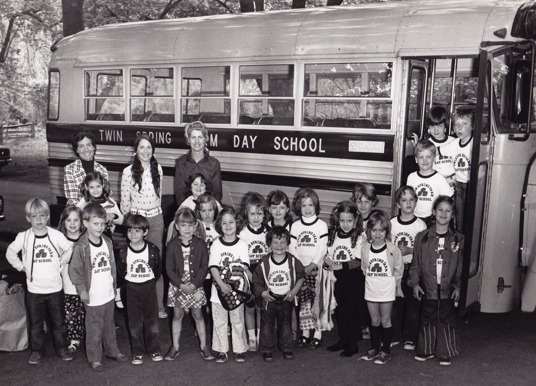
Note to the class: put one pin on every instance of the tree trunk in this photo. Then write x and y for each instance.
(298, 3)
(251, 5)
(73, 16)
(334, 2)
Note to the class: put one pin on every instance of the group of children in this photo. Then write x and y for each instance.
(246, 271)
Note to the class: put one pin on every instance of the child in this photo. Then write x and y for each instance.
(228, 254)
(309, 245)
(344, 258)
(438, 120)
(139, 266)
(381, 262)
(198, 186)
(460, 151)
(255, 213)
(428, 183)
(93, 273)
(435, 276)
(276, 281)
(71, 226)
(44, 251)
(279, 208)
(364, 196)
(97, 189)
(404, 228)
(187, 267)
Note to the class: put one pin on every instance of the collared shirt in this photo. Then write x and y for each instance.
(185, 166)
(142, 201)
(74, 177)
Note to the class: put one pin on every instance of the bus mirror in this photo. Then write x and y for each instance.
(520, 89)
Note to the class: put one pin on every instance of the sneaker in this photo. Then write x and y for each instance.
(65, 355)
(370, 355)
(252, 345)
(315, 343)
(156, 357)
(162, 315)
(172, 354)
(35, 358)
(268, 357)
(207, 354)
(394, 343)
(118, 358)
(409, 345)
(73, 346)
(137, 360)
(423, 358)
(288, 355)
(239, 357)
(383, 358)
(445, 361)
(221, 357)
(96, 366)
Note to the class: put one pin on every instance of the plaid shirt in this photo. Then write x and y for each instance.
(74, 177)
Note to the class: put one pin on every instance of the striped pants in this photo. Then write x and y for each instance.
(436, 333)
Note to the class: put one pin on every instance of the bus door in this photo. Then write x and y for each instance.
(502, 151)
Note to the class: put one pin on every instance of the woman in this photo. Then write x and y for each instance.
(197, 160)
(84, 147)
(141, 193)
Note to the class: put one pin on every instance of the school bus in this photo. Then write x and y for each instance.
(321, 97)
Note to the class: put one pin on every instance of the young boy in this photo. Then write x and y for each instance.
(92, 271)
(276, 281)
(438, 120)
(404, 229)
(139, 265)
(460, 151)
(427, 182)
(44, 251)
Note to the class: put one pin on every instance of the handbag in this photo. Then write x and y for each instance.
(13, 328)
(235, 277)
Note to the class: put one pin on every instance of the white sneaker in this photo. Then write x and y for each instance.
(252, 345)
(162, 315)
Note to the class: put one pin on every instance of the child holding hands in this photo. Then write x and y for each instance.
(435, 276)
(276, 281)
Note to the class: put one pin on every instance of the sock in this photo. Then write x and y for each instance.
(306, 333)
(375, 332)
(318, 334)
(387, 338)
(251, 334)
(257, 334)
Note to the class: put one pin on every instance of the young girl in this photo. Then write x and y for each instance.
(309, 236)
(187, 267)
(344, 258)
(279, 208)
(97, 189)
(364, 196)
(71, 226)
(198, 186)
(381, 262)
(254, 213)
(435, 276)
(228, 254)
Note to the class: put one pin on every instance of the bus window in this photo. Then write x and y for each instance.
(266, 94)
(205, 94)
(53, 95)
(151, 95)
(103, 95)
(352, 95)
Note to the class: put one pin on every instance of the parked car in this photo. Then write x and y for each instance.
(5, 157)
(2, 217)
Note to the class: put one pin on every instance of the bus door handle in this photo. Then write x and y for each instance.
(501, 286)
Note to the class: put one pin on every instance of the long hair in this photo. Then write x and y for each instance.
(439, 200)
(232, 212)
(379, 217)
(65, 214)
(256, 200)
(137, 169)
(94, 176)
(364, 189)
(300, 195)
(206, 199)
(276, 197)
(345, 206)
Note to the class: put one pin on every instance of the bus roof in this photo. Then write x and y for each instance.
(425, 27)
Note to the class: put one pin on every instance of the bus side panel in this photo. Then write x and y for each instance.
(501, 275)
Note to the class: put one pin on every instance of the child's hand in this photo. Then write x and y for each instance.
(455, 295)
(328, 263)
(309, 269)
(225, 288)
(192, 286)
(84, 297)
(186, 288)
(417, 292)
(110, 218)
(266, 296)
(289, 296)
(414, 139)
(405, 250)
(336, 267)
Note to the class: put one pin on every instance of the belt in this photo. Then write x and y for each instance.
(147, 212)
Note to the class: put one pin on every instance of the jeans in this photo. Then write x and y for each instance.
(155, 235)
(38, 305)
(276, 313)
(142, 311)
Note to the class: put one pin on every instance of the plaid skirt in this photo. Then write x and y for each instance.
(177, 298)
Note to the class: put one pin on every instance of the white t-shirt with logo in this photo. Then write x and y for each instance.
(380, 284)
(101, 290)
(403, 233)
(461, 158)
(428, 188)
(279, 279)
(138, 268)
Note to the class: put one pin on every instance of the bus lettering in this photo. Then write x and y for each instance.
(213, 140)
(247, 142)
(312, 145)
(160, 137)
(111, 135)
